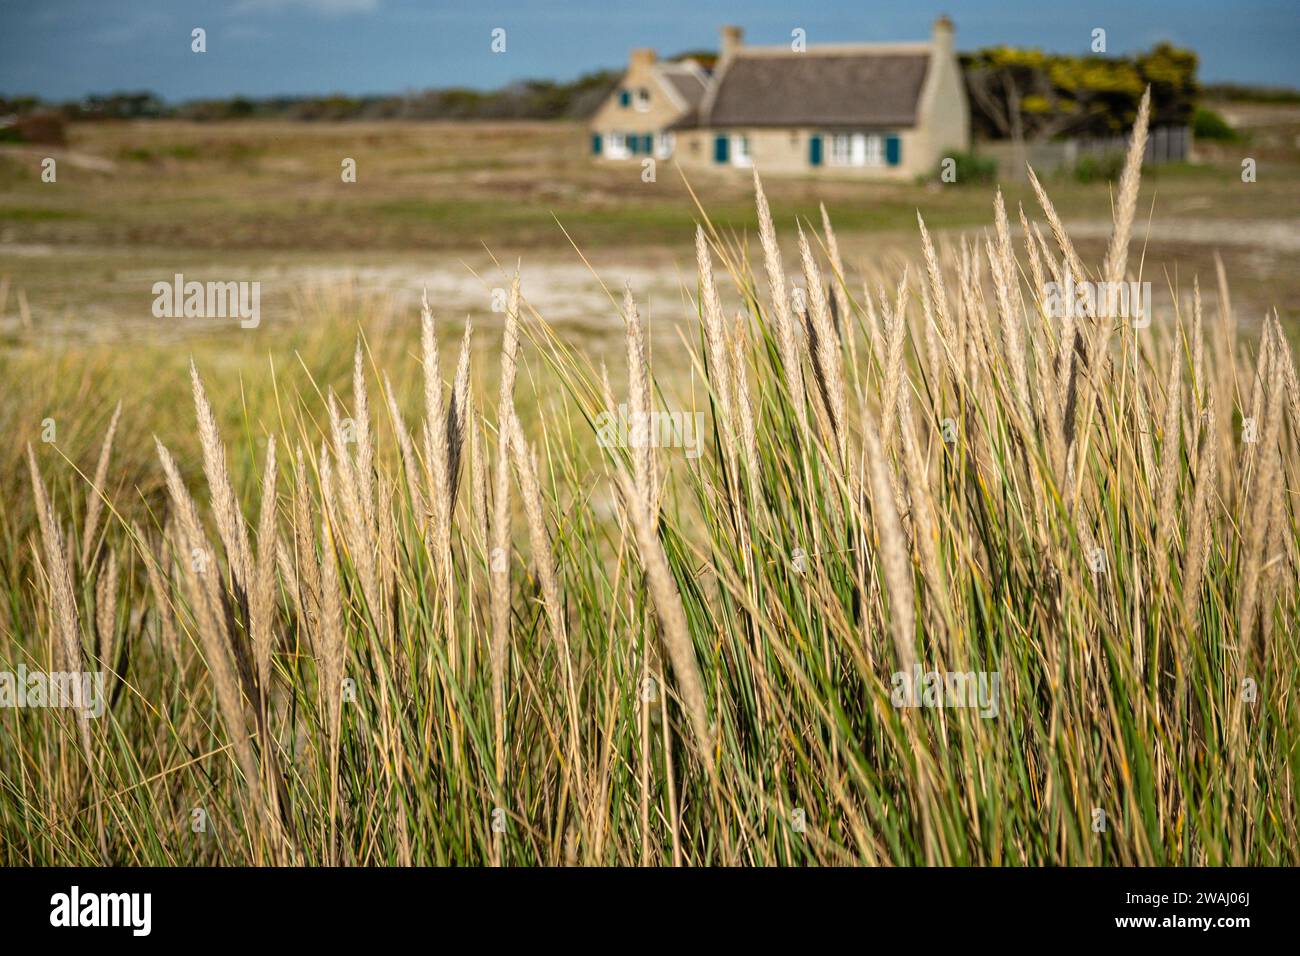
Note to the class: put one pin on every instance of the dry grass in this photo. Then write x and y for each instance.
(390, 676)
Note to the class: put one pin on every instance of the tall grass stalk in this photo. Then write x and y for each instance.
(694, 660)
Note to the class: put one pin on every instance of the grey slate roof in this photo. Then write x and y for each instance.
(828, 89)
(689, 84)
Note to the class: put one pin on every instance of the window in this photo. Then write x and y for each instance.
(857, 149)
(841, 149)
(664, 145)
(874, 150)
(740, 151)
(642, 99)
(617, 148)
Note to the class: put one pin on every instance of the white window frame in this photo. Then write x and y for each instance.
(616, 145)
(856, 149)
(665, 143)
(739, 150)
(873, 150)
(641, 99)
(841, 151)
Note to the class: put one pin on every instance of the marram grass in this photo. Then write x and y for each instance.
(472, 636)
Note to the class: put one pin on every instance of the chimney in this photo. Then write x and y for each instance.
(942, 34)
(732, 37)
(643, 57)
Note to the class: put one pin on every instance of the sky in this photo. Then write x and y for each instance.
(65, 49)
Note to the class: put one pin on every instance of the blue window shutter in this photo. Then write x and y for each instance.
(721, 146)
(633, 142)
(595, 144)
(814, 150)
(624, 98)
(648, 143)
(893, 150)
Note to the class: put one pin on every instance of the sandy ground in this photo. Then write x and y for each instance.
(570, 294)
(557, 284)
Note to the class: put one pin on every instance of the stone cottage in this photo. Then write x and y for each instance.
(868, 110)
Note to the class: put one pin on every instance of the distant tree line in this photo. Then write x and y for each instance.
(1022, 94)
(526, 99)
(1029, 95)
(1241, 93)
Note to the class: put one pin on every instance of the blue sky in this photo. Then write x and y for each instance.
(63, 49)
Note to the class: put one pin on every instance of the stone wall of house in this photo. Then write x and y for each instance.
(786, 151)
(943, 114)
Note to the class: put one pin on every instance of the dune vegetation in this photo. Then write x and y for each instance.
(421, 620)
